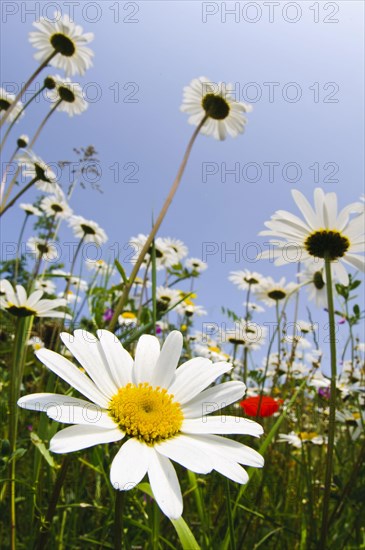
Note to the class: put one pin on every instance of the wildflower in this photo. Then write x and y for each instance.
(6, 99)
(87, 230)
(17, 303)
(323, 233)
(216, 101)
(261, 406)
(155, 408)
(67, 39)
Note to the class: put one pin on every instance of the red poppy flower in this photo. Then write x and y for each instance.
(268, 406)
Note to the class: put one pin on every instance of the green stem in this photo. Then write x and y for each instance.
(332, 413)
(26, 86)
(5, 175)
(232, 543)
(19, 246)
(46, 527)
(19, 115)
(43, 123)
(13, 201)
(118, 519)
(123, 299)
(23, 325)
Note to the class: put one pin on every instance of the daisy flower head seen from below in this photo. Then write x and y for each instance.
(245, 279)
(33, 167)
(155, 408)
(312, 276)
(56, 206)
(22, 141)
(66, 40)
(195, 265)
(87, 230)
(17, 303)
(69, 96)
(323, 232)
(271, 292)
(43, 249)
(30, 209)
(217, 102)
(7, 99)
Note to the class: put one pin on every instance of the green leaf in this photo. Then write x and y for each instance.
(36, 440)
(120, 268)
(187, 539)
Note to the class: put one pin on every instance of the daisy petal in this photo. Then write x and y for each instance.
(78, 437)
(194, 376)
(119, 360)
(165, 485)
(147, 354)
(221, 425)
(182, 450)
(72, 375)
(130, 465)
(168, 359)
(84, 413)
(214, 399)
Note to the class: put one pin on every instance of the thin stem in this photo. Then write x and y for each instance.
(13, 201)
(26, 86)
(123, 299)
(232, 543)
(19, 115)
(73, 264)
(118, 519)
(332, 413)
(18, 247)
(3, 180)
(43, 123)
(16, 374)
(45, 528)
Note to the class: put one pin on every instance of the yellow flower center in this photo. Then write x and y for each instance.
(214, 349)
(147, 413)
(307, 435)
(20, 311)
(128, 315)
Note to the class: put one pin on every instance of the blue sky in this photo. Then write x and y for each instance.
(300, 64)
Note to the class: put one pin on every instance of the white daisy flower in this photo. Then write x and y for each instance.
(30, 209)
(165, 255)
(297, 440)
(322, 233)
(167, 297)
(56, 206)
(42, 249)
(245, 333)
(158, 410)
(65, 38)
(270, 292)
(7, 99)
(87, 230)
(245, 278)
(19, 304)
(74, 280)
(217, 102)
(70, 96)
(188, 308)
(33, 167)
(98, 265)
(313, 277)
(35, 342)
(253, 308)
(71, 297)
(195, 265)
(127, 318)
(45, 285)
(178, 247)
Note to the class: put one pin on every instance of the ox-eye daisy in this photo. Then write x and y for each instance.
(19, 304)
(323, 233)
(65, 40)
(158, 411)
(216, 101)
